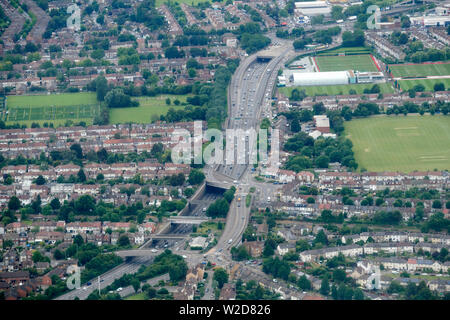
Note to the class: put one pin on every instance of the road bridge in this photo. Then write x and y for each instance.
(215, 186)
(188, 219)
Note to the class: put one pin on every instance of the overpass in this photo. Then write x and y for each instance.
(135, 253)
(188, 219)
(215, 186)
(264, 58)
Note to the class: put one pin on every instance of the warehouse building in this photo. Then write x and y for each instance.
(431, 21)
(322, 78)
(369, 77)
(312, 8)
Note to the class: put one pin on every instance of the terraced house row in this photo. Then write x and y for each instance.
(369, 249)
(122, 139)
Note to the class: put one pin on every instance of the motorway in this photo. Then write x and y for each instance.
(250, 92)
(107, 278)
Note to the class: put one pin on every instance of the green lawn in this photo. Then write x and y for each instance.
(427, 83)
(337, 89)
(360, 50)
(64, 99)
(138, 296)
(341, 63)
(148, 107)
(188, 2)
(420, 70)
(55, 108)
(399, 143)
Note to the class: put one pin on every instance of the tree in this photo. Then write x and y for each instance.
(437, 204)
(322, 161)
(150, 292)
(303, 283)
(221, 276)
(101, 87)
(353, 39)
(177, 179)
(77, 149)
(38, 257)
(295, 126)
(81, 175)
(55, 204)
(58, 254)
(325, 286)
(36, 205)
(439, 86)
(14, 203)
(40, 180)
(321, 237)
(218, 208)
(78, 240)
(196, 177)
(136, 284)
(116, 98)
(339, 275)
(85, 204)
(123, 241)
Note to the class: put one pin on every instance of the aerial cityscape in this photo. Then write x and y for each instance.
(224, 150)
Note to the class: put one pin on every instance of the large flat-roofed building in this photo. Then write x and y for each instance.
(431, 21)
(313, 8)
(320, 78)
(369, 77)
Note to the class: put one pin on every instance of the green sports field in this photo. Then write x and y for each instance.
(337, 89)
(399, 143)
(420, 70)
(341, 63)
(158, 3)
(55, 108)
(346, 50)
(63, 99)
(427, 83)
(148, 107)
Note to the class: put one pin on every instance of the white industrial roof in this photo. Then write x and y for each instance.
(311, 4)
(320, 78)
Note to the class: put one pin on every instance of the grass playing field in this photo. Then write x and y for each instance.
(148, 107)
(337, 89)
(158, 3)
(354, 50)
(341, 63)
(64, 99)
(138, 296)
(427, 83)
(399, 143)
(420, 70)
(56, 108)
